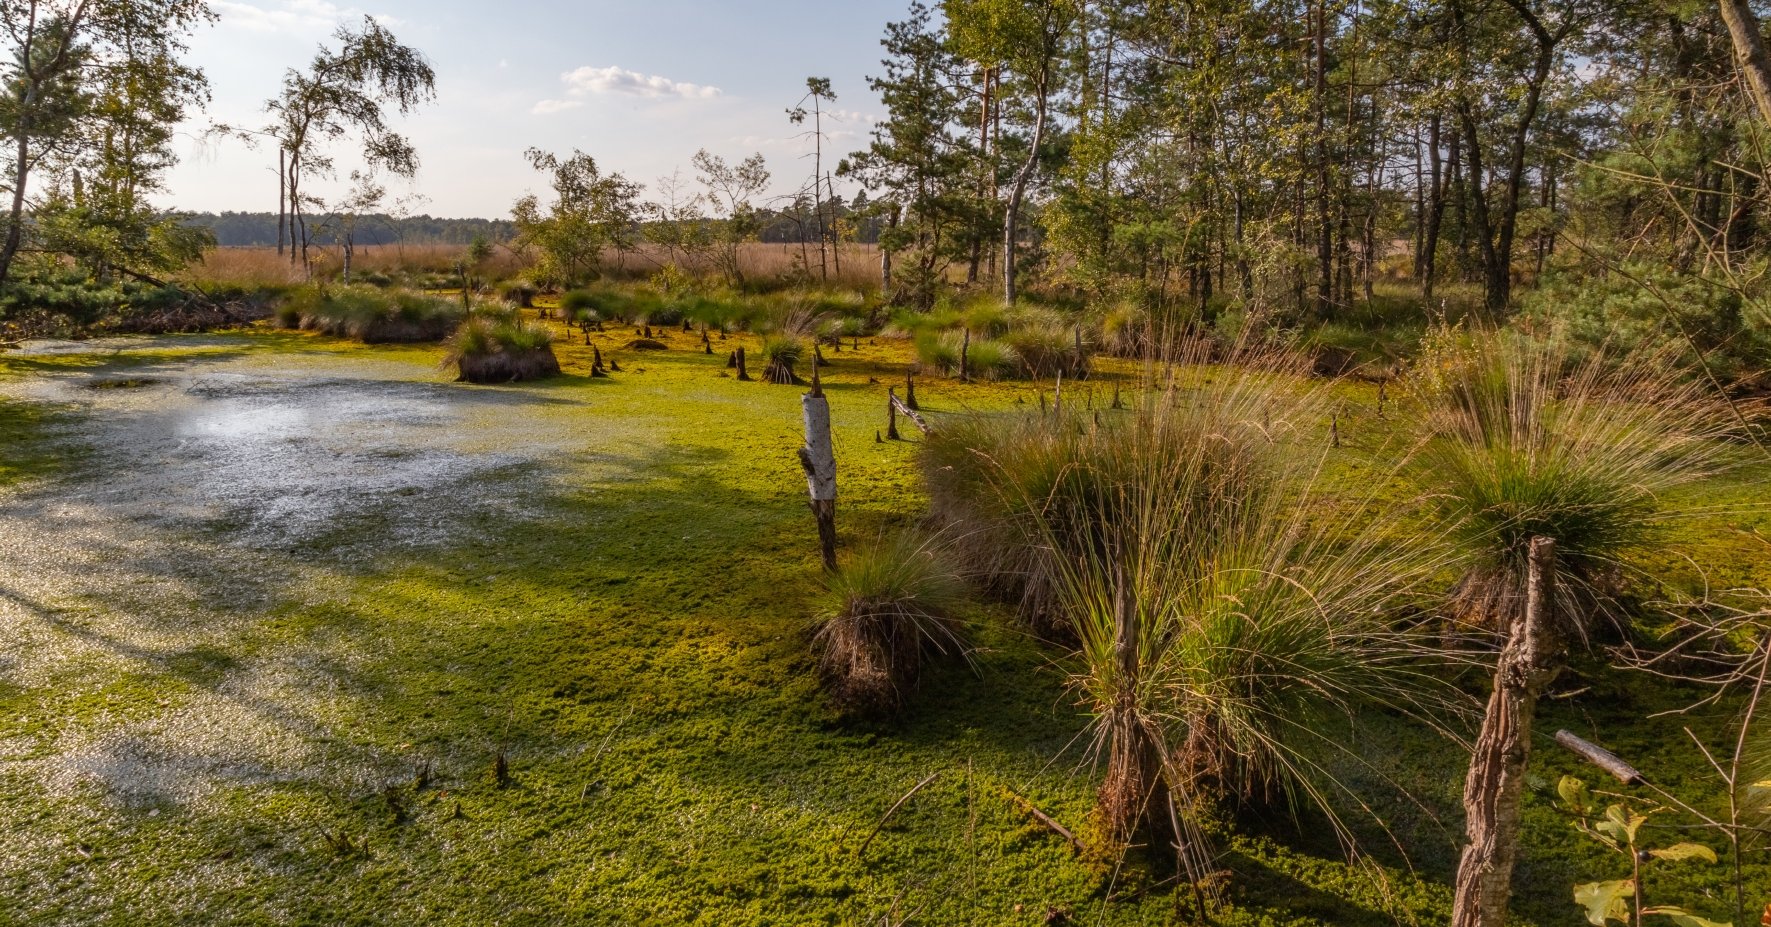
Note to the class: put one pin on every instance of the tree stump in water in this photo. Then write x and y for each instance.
(738, 356)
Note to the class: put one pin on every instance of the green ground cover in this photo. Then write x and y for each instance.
(207, 716)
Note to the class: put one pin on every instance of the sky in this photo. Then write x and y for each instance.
(639, 86)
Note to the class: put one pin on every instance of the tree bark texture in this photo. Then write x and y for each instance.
(1496, 783)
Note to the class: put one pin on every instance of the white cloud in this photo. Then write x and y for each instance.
(549, 107)
(588, 80)
(290, 15)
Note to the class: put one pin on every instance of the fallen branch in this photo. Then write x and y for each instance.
(905, 410)
(1600, 757)
(894, 810)
(1051, 823)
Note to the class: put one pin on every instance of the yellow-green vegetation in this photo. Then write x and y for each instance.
(370, 314)
(499, 346)
(284, 697)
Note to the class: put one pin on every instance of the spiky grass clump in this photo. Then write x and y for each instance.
(992, 360)
(371, 315)
(1125, 330)
(938, 351)
(1048, 349)
(1226, 639)
(1521, 440)
(886, 611)
(997, 481)
(783, 353)
(499, 347)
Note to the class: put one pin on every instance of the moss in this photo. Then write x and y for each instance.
(634, 636)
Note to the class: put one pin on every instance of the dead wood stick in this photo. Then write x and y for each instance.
(1600, 757)
(910, 413)
(894, 809)
(1043, 818)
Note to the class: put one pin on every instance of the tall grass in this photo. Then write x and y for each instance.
(1227, 637)
(886, 611)
(767, 266)
(369, 314)
(499, 346)
(1522, 438)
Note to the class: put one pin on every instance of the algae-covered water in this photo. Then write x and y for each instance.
(272, 606)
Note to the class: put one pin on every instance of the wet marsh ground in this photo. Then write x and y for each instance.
(272, 605)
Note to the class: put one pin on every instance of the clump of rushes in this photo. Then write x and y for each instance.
(989, 476)
(1226, 641)
(370, 315)
(1521, 439)
(783, 353)
(499, 347)
(992, 360)
(1048, 349)
(886, 611)
(1125, 330)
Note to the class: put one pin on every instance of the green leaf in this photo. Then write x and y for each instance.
(1684, 918)
(1605, 901)
(1680, 851)
(1574, 794)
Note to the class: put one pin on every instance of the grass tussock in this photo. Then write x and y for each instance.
(884, 613)
(498, 347)
(370, 315)
(1521, 438)
(1228, 636)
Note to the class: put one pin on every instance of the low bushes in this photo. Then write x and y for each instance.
(494, 347)
(370, 315)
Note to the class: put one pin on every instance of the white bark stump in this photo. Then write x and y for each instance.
(818, 458)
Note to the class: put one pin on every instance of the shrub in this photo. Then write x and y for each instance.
(886, 611)
(1617, 314)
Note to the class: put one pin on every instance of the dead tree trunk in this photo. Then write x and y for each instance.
(818, 457)
(1749, 53)
(1496, 783)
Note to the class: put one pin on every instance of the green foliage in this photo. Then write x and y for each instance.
(70, 299)
(1619, 829)
(370, 314)
(1649, 306)
(590, 213)
(785, 349)
(1183, 528)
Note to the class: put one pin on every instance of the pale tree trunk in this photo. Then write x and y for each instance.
(818, 458)
(1749, 52)
(1496, 784)
(282, 197)
(1011, 217)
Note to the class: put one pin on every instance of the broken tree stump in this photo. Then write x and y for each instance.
(1495, 786)
(818, 458)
